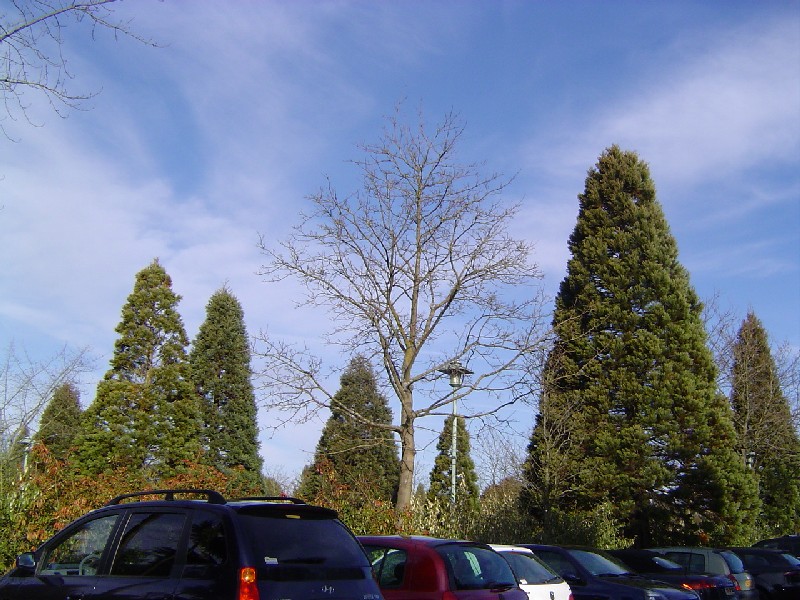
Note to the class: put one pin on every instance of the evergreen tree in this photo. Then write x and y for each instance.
(220, 361)
(145, 414)
(629, 409)
(357, 452)
(467, 492)
(60, 422)
(768, 441)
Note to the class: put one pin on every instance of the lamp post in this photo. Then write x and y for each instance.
(455, 371)
(25, 447)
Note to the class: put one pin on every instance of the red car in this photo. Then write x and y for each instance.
(424, 568)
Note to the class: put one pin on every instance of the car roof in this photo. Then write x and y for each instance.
(510, 548)
(553, 547)
(211, 499)
(411, 540)
(752, 550)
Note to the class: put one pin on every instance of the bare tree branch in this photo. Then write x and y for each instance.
(28, 385)
(417, 268)
(32, 50)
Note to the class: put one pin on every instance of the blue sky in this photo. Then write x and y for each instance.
(193, 149)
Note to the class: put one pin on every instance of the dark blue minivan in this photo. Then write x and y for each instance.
(206, 548)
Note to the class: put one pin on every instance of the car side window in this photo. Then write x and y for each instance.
(149, 545)
(207, 547)
(79, 553)
(388, 565)
(692, 562)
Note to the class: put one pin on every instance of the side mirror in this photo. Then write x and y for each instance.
(26, 560)
(573, 579)
(25, 565)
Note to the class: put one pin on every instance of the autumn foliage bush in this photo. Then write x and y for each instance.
(51, 494)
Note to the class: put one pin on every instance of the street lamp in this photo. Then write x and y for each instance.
(25, 447)
(455, 371)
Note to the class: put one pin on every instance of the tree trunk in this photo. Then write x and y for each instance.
(408, 453)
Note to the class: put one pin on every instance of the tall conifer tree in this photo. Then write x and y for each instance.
(356, 448)
(220, 361)
(768, 441)
(60, 422)
(645, 429)
(467, 492)
(145, 415)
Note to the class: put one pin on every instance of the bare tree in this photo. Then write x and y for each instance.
(417, 269)
(28, 385)
(787, 359)
(32, 49)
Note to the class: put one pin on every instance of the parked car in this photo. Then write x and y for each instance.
(538, 580)
(776, 574)
(651, 564)
(787, 543)
(213, 549)
(593, 574)
(715, 561)
(425, 568)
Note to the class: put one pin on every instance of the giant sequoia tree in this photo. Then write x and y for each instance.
(145, 414)
(467, 492)
(629, 413)
(352, 453)
(220, 361)
(767, 439)
(60, 422)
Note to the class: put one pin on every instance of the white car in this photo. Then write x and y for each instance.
(538, 580)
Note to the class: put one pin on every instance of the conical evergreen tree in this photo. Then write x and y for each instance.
(146, 414)
(467, 492)
(220, 361)
(60, 422)
(767, 440)
(650, 435)
(358, 455)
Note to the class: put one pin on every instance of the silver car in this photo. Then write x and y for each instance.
(716, 562)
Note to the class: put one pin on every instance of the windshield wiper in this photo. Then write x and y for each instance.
(498, 586)
(305, 560)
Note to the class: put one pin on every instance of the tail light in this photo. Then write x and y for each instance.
(571, 597)
(449, 596)
(697, 585)
(735, 581)
(248, 588)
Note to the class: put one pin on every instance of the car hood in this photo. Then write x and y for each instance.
(560, 591)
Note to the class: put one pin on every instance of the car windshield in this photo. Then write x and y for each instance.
(528, 569)
(769, 561)
(598, 564)
(299, 546)
(666, 565)
(793, 560)
(475, 567)
(649, 563)
(734, 562)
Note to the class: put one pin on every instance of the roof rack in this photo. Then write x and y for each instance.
(288, 499)
(212, 497)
